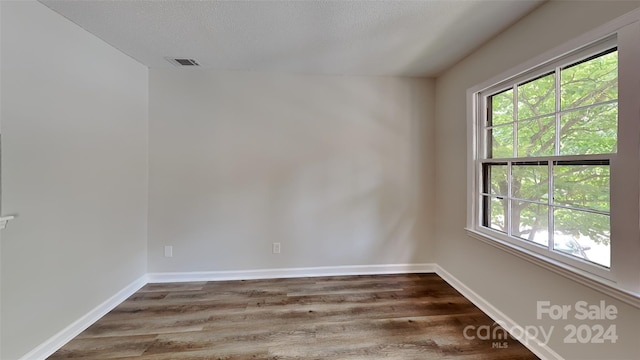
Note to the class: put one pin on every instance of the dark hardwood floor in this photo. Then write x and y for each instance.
(409, 316)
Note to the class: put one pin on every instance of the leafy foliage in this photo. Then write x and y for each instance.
(585, 122)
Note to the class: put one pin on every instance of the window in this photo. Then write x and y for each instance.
(554, 161)
(545, 173)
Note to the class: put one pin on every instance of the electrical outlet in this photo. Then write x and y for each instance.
(276, 248)
(168, 251)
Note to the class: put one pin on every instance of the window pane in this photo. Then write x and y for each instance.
(530, 221)
(501, 141)
(537, 137)
(495, 210)
(582, 234)
(537, 97)
(582, 186)
(501, 108)
(590, 82)
(589, 131)
(530, 182)
(495, 179)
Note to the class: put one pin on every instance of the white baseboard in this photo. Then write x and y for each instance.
(291, 272)
(535, 345)
(58, 340)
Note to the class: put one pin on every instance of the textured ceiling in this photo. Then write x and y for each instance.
(411, 38)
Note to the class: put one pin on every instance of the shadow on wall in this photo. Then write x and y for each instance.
(335, 181)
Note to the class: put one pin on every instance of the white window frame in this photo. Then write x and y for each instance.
(622, 279)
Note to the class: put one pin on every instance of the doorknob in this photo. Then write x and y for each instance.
(4, 220)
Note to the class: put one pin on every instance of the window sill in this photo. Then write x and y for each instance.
(596, 283)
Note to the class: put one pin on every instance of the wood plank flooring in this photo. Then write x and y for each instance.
(408, 316)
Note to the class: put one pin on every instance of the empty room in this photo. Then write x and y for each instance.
(437, 179)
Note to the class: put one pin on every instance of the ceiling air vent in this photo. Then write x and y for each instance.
(183, 62)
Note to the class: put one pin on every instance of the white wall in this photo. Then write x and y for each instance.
(340, 170)
(511, 285)
(74, 171)
(333, 168)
